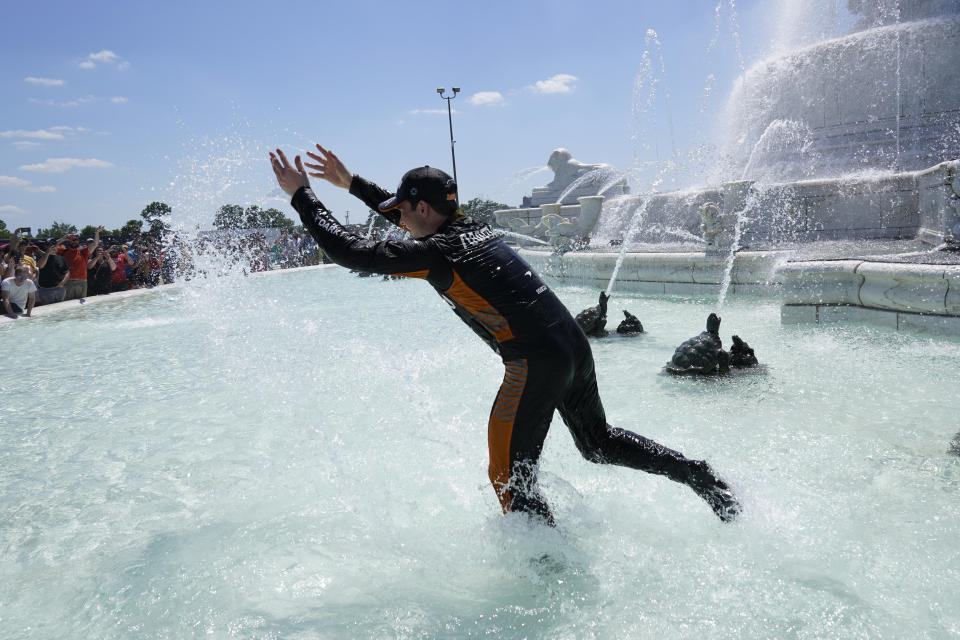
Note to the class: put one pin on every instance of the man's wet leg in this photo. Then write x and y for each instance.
(519, 421)
(599, 442)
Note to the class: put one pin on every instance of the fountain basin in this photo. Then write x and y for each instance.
(211, 467)
(881, 98)
(898, 295)
(908, 296)
(667, 273)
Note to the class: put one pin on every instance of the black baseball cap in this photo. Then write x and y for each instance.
(431, 185)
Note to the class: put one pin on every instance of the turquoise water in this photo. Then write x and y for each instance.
(303, 455)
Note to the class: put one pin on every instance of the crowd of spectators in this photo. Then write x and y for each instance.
(35, 272)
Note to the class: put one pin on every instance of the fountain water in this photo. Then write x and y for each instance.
(262, 474)
(604, 176)
(835, 140)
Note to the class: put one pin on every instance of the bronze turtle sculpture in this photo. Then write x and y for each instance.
(593, 319)
(702, 354)
(741, 355)
(630, 325)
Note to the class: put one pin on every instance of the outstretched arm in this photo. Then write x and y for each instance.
(96, 240)
(345, 248)
(329, 167)
(289, 178)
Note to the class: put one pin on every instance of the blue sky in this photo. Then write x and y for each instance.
(109, 106)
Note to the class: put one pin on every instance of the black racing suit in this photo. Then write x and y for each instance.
(547, 358)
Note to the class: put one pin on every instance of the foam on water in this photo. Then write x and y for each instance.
(303, 455)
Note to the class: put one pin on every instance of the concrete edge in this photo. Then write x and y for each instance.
(895, 320)
(68, 305)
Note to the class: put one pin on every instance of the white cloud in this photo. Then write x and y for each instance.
(59, 165)
(118, 100)
(421, 112)
(26, 144)
(487, 98)
(36, 134)
(44, 82)
(9, 208)
(560, 83)
(76, 102)
(11, 181)
(104, 57)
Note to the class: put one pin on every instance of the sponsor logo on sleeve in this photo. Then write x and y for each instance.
(473, 238)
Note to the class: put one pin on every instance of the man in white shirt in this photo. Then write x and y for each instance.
(19, 293)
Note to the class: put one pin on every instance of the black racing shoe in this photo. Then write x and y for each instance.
(717, 493)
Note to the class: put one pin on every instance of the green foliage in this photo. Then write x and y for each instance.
(4, 232)
(229, 216)
(252, 217)
(275, 219)
(157, 215)
(60, 229)
(233, 216)
(482, 210)
(130, 228)
(87, 232)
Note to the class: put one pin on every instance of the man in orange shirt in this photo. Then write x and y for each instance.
(76, 258)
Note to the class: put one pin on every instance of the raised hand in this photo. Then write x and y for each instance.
(329, 167)
(289, 178)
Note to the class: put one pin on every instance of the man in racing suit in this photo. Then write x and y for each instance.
(548, 362)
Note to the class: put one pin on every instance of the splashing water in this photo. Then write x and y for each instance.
(525, 174)
(780, 136)
(514, 234)
(635, 223)
(652, 37)
(263, 475)
(600, 175)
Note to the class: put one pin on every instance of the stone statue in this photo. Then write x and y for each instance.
(567, 171)
(711, 227)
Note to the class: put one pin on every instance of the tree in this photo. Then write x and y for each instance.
(233, 216)
(253, 217)
(229, 216)
(60, 229)
(482, 210)
(88, 231)
(157, 215)
(276, 220)
(130, 228)
(4, 232)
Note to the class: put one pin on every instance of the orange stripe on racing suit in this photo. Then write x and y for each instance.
(479, 308)
(500, 428)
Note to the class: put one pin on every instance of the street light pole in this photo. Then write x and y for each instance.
(453, 156)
